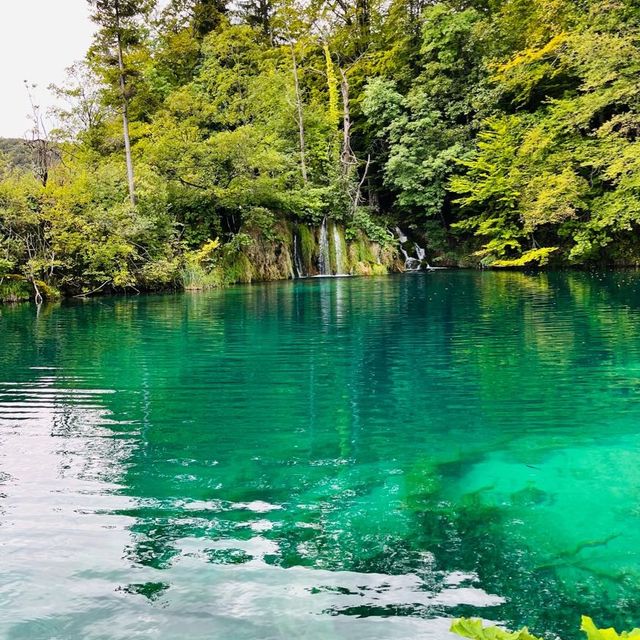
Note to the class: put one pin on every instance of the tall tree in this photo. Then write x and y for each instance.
(43, 153)
(257, 13)
(119, 22)
(203, 16)
(207, 15)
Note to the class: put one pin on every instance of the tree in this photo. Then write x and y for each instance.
(119, 22)
(43, 154)
(81, 110)
(257, 13)
(425, 129)
(202, 16)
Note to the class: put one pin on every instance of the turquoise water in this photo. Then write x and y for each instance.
(323, 459)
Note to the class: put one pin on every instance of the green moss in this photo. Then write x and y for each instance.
(194, 277)
(333, 266)
(307, 247)
(237, 267)
(361, 251)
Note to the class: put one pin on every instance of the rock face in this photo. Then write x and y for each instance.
(295, 250)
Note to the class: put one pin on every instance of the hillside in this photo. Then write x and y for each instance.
(16, 152)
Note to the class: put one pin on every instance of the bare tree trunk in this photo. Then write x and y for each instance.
(40, 146)
(347, 157)
(37, 295)
(358, 193)
(125, 112)
(300, 118)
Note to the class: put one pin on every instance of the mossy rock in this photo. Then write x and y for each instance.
(237, 268)
(308, 248)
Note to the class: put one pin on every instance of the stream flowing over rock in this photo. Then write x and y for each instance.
(294, 250)
(417, 259)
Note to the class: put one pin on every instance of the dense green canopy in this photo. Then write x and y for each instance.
(498, 132)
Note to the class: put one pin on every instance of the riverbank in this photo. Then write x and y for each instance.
(285, 250)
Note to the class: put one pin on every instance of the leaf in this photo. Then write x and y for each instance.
(541, 256)
(593, 633)
(472, 628)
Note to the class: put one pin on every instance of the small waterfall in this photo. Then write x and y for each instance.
(401, 235)
(337, 243)
(298, 267)
(422, 256)
(324, 261)
(410, 263)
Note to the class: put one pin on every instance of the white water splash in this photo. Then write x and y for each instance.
(324, 263)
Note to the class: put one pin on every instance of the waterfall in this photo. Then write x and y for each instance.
(422, 256)
(410, 264)
(401, 235)
(298, 267)
(337, 243)
(324, 261)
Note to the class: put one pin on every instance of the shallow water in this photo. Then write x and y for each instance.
(323, 459)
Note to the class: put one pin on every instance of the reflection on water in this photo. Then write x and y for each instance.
(344, 458)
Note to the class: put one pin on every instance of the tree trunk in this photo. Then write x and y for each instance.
(363, 21)
(125, 111)
(347, 157)
(300, 117)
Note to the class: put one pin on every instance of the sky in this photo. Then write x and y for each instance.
(39, 39)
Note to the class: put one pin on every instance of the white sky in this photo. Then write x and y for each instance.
(39, 39)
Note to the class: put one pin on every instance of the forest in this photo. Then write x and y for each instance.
(205, 142)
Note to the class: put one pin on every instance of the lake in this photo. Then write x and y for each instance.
(325, 459)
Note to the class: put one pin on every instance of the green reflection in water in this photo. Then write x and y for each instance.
(352, 458)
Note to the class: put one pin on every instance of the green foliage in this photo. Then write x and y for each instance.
(15, 153)
(593, 633)
(556, 168)
(15, 290)
(474, 629)
(540, 256)
(430, 126)
(469, 628)
(502, 134)
(363, 221)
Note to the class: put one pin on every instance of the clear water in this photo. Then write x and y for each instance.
(325, 459)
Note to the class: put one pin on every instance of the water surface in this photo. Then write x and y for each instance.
(323, 459)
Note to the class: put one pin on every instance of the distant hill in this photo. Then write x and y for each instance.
(17, 152)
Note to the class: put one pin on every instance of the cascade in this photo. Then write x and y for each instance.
(337, 242)
(422, 257)
(324, 262)
(298, 267)
(401, 235)
(410, 264)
